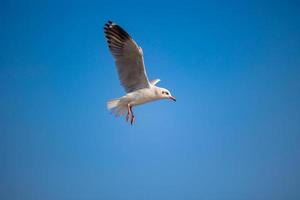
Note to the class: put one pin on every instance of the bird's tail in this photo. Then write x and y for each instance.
(111, 104)
(116, 107)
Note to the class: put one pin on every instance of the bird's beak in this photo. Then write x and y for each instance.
(172, 98)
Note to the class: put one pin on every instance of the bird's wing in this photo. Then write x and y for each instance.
(155, 81)
(128, 57)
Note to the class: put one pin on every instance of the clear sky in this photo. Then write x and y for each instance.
(234, 132)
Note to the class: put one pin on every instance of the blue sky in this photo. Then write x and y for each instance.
(234, 132)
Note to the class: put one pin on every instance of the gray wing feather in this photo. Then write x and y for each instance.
(128, 58)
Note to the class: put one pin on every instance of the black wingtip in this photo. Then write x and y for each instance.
(114, 32)
(108, 24)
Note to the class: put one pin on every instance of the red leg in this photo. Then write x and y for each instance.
(128, 112)
(132, 115)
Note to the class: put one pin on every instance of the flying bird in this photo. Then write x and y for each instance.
(130, 66)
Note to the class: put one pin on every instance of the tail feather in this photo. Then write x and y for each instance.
(116, 107)
(111, 104)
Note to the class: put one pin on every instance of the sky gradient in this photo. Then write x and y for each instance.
(234, 132)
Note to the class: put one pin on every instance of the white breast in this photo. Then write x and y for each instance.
(142, 96)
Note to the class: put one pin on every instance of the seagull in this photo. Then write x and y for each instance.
(131, 70)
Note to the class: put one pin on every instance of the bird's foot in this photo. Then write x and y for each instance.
(132, 119)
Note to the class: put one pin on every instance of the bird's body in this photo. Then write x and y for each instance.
(132, 74)
(142, 96)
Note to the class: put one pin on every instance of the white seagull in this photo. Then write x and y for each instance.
(129, 61)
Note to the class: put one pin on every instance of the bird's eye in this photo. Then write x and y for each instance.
(167, 93)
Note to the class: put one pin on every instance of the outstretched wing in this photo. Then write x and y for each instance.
(128, 58)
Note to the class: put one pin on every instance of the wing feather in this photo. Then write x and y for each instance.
(128, 58)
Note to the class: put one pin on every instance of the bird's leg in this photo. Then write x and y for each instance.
(128, 112)
(132, 115)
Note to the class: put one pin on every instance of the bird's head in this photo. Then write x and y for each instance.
(164, 94)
